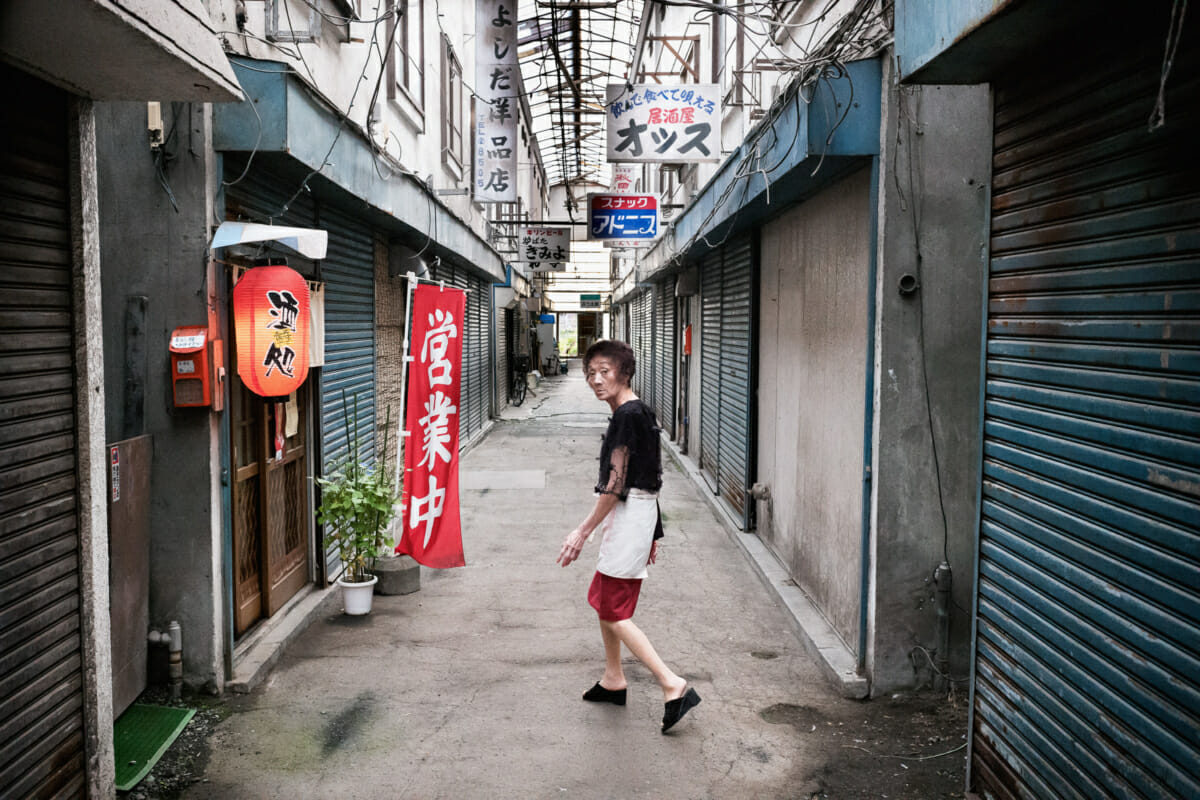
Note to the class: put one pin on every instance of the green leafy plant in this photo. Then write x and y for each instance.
(357, 506)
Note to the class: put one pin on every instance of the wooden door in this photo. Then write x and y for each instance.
(271, 514)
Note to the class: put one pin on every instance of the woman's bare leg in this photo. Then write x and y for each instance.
(632, 637)
(614, 674)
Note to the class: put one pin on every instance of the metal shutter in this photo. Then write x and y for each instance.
(502, 379)
(710, 366)
(476, 385)
(643, 326)
(41, 681)
(726, 378)
(349, 372)
(1087, 677)
(736, 326)
(664, 355)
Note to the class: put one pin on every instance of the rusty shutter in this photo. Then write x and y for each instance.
(41, 680)
(1087, 674)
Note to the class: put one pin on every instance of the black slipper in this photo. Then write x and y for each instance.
(675, 709)
(598, 694)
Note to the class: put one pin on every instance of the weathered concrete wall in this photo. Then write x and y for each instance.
(933, 197)
(150, 250)
(91, 454)
(813, 366)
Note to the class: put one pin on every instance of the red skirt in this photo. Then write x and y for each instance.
(614, 598)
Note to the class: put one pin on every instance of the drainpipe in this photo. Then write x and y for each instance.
(942, 578)
(864, 578)
(173, 639)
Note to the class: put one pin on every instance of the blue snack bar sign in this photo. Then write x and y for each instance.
(623, 216)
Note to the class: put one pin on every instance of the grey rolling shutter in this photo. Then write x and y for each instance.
(726, 377)
(643, 331)
(736, 359)
(710, 366)
(476, 385)
(349, 274)
(1087, 671)
(41, 681)
(664, 355)
(502, 325)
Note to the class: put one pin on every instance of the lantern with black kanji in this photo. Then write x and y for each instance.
(271, 321)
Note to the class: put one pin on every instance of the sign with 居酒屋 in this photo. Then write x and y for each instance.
(652, 122)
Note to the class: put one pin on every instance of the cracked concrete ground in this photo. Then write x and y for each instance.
(471, 687)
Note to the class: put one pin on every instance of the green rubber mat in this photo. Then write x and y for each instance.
(141, 736)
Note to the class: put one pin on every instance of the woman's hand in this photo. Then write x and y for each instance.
(653, 551)
(571, 548)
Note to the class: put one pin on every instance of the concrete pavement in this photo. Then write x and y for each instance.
(470, 688)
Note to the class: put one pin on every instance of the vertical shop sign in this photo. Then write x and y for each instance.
(432, 529)
(496, 87)
(677, 124)
(625, 178)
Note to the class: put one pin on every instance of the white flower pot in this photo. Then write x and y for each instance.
(356, 597)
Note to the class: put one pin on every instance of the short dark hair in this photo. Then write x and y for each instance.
(616, 351)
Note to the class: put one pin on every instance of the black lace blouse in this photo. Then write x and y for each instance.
(632, 436)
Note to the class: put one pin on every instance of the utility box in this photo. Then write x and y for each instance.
(129, 463)
(191, 380)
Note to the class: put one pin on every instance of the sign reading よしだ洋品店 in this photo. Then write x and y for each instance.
(544, 248)
(649, 122)
(497, 82)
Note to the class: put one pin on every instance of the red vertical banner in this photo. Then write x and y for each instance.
(432, 527)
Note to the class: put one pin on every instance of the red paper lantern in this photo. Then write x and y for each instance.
(271, 322)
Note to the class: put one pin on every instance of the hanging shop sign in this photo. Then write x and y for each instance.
(544, 248)
(626, 217)
(271, 322)
(432, 530)
(649, 122)
(496, 85)
(625, 178)
(589, 301)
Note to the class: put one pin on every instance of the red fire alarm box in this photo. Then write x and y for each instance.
(190, 383)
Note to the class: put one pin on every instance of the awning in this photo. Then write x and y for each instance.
(119, 50)
(286, 119)
(308, 242)
(814, 136)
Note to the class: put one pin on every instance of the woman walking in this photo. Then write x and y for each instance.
(627, 508)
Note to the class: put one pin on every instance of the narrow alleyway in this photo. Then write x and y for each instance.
(471, 687)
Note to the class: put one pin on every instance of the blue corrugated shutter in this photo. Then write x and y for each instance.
(349, 372)
(1087, 677)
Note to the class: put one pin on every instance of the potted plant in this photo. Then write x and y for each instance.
(357, 505)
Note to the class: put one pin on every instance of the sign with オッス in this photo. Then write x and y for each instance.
(676, 124)
(271, 323)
